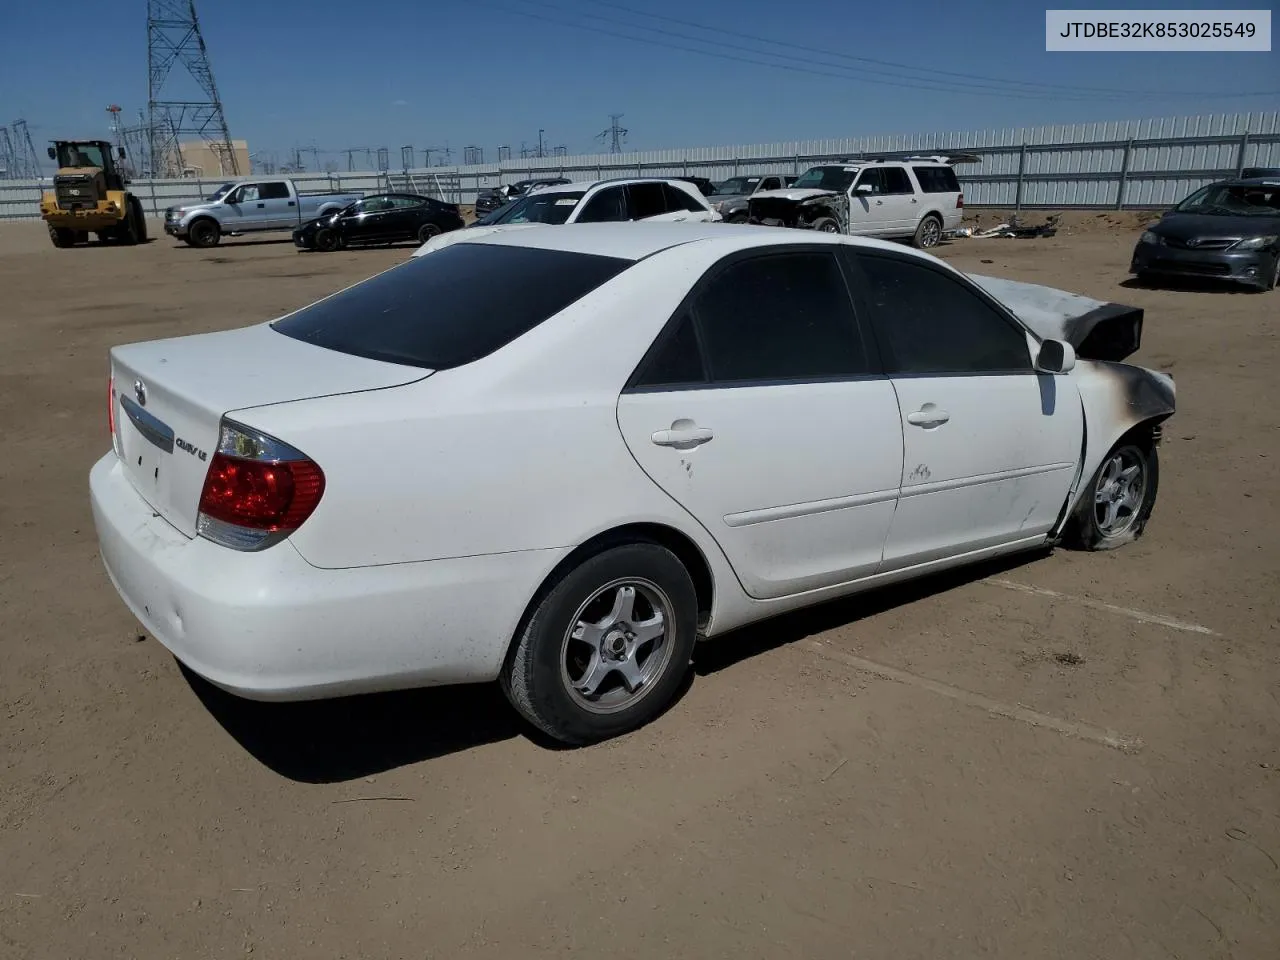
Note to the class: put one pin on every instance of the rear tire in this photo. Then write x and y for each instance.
(427, 231)
(61, 237)
(204, 233)
(606, 647)
(326, 240)
(1115, 506)
(826, 225)
(928, 233)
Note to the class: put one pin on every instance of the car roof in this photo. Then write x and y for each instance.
(635, 241)
(588, 184)
(1253, 182)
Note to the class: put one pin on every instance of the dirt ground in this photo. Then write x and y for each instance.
(1070, 756)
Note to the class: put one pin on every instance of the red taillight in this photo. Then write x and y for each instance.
(261, 495)
(258, 490)
(960, 201)
(111, 405)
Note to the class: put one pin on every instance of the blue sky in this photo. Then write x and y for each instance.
(391, 72)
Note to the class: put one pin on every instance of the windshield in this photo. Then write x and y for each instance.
(221, 192)
(1233, 200)
(540, 208)
(736, 186)
(827, 178)
(80, 155)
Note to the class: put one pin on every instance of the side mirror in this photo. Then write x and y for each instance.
(1056, 356)
(865, 188)
(53, 154)
(120, 152)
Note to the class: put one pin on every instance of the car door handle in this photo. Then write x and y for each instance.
(261, 205)
(914, 200)
(291, 203)
(928, 416)
(879, 203)
(683, 434)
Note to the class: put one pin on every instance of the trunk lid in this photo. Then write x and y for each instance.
(169, 397)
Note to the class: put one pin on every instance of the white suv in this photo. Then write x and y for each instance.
(598, 201)
(917, 198)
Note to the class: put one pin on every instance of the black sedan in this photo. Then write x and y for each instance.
(381, 219)
(1228, 230)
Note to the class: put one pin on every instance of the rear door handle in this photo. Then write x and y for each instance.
(683, 435)
(928, 416)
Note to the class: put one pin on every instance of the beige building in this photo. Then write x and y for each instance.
(209, 159)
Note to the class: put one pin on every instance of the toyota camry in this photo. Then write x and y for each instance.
(645, 435)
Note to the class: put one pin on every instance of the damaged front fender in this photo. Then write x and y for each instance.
(1116, 397)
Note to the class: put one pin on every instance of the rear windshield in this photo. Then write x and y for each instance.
(937, 179)
(451, 306)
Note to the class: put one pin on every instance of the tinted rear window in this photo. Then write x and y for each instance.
(937, 179)
(451, 306)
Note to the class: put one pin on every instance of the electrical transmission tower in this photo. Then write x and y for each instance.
(173, 36)
(26, 162)
(8, 160)
(615, 133)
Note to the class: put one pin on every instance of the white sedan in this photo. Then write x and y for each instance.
(642, 435)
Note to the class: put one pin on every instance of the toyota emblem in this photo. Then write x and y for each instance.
(140, 391)
(1193, 243)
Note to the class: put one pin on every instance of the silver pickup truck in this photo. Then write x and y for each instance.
(250, 206)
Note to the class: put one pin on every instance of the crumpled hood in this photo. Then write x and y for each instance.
(1096, 329)
(804, 193)
(442, 240)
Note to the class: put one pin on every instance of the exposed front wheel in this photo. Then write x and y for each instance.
(928, 233)
(826, 225)
(1115, 506)
(606, 648)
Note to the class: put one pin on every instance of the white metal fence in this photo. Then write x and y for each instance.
(1115, 165)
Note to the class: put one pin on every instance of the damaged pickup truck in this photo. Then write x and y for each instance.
(918, 198)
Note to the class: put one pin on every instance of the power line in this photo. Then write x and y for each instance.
(846, 73)
(917, 69)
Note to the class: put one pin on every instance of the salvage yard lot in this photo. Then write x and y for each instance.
(1065, 756)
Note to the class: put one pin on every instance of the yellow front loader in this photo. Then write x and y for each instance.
(89, 195)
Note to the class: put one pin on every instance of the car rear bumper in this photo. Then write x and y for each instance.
(1244, 266)
(270, 626)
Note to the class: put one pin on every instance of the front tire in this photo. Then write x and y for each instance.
(327, 240)
(62, 237)
(204, 233)
(1116, 505)
(928, 233)
(606, 648)
(826, 225)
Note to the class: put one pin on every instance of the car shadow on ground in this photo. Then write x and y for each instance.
(723, 652)
(333, 741)
(1187, 284)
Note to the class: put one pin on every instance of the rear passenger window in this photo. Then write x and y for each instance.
(647, 200)
(607, 206)
(780, 317)
(937, 179)
(675, 359)
(677, 199)
(273, 191)
(930, 323)
(771, 183)
(895, 180)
